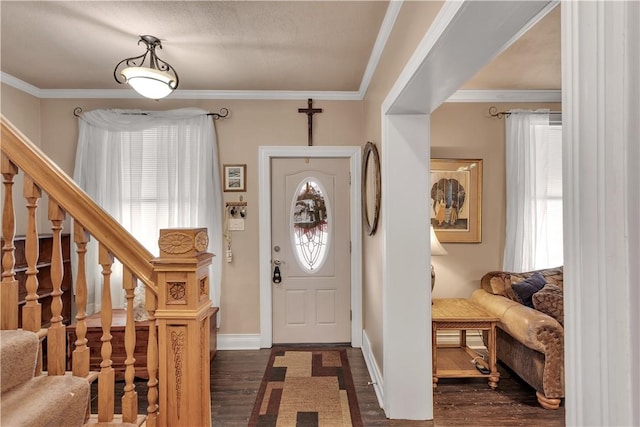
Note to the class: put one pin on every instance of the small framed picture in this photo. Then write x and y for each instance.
(235, 177)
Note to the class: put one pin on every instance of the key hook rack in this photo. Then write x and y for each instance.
(236, 208)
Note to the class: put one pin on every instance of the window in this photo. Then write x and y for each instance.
(156, 191)
(534, 192)
(551, 254)
(310, 225)
(151, 170)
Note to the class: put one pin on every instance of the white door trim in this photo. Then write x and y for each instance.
(264, 172)
(601, 88)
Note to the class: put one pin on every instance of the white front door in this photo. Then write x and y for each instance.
(311, 262)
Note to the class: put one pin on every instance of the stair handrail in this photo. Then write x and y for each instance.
(77, 203)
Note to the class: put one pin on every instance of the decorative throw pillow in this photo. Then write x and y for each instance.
(527, 287)
(549, 300)
(501, 285)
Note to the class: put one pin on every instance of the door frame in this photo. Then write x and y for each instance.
(265, 154)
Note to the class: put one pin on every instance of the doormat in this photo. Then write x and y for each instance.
(305, 387)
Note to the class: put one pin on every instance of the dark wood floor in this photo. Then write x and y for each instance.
(236, 377)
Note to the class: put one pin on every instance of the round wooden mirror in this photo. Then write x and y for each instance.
(370, 188)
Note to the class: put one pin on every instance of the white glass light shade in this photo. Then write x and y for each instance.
(149, 82)
(436, 247)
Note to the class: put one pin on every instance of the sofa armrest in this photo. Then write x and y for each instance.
(530, 327)
(497, 305)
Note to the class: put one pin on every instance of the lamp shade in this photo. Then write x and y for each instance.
(436, 247)
(149, 82)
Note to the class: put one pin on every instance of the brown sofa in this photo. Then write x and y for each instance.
(529, 342)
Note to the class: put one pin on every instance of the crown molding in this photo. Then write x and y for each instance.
(277, 95)
(89, 94)
(178, 94)
(381, 41)
(19, 84)
(204, 94)
(472, 95)
(267, 95)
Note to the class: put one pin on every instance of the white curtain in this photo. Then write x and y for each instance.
(528, 167)
(151, 170)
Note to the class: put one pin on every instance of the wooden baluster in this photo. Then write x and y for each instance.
(56, 338)
(151, 304)
(106, 377)
(9, 293)
(81, 353)
(31, 311)
(130, 397)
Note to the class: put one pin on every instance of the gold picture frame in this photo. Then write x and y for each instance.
(235, 177)
(455, 191)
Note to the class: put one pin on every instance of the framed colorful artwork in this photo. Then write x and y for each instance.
(456, 200)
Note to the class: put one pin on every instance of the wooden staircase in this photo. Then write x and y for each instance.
(28, 399)
(176, 290)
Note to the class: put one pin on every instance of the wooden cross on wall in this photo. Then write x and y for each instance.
(310, 111)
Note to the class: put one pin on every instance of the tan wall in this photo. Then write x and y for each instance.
(465, 130)
(250, 124)
(410, 27)
(23, 110)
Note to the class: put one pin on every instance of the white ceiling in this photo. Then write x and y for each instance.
(280, 46)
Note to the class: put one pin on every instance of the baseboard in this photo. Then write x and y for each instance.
(238, 342)
(451, 337)
(372, 367)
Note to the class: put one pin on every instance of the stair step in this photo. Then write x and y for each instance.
(93, 375)
(18, 352)
(60, 399)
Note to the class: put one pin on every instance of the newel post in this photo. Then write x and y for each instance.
(182, 272)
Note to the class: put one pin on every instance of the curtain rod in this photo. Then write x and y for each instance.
(224, 112)
(493, 112)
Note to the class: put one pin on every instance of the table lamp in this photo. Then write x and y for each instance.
(436, 249)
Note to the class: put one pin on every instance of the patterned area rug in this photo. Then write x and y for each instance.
(307, 387)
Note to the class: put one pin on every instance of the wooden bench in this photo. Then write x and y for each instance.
(118, 356)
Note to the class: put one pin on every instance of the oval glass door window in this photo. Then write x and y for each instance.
(310, 225)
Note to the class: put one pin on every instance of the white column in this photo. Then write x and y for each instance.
(406, 282)
(600, 82)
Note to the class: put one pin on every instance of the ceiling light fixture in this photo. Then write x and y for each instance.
(154, 81)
